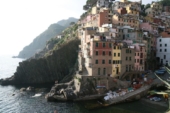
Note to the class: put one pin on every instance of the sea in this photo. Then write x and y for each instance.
(14, 101)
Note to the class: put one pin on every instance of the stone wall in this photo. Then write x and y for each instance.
(109, 83)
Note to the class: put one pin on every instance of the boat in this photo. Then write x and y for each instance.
(130, 96)
(159, 72)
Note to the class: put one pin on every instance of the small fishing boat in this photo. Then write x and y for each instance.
(112, 98)
(159, 72)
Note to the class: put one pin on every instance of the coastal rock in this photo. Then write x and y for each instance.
(22, 89)
(30, 88)
(67, 91)
(56, 66)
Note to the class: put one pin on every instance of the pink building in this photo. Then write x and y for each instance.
(146, 26)
(140, 57)
(98, 56)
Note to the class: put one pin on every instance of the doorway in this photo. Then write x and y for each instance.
(117, 70)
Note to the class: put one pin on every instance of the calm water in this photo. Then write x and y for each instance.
(25, 103)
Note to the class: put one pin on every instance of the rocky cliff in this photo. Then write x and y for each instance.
(40, 41)
(55, 66)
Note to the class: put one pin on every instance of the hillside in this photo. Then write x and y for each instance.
(67, 22)
(40, 41)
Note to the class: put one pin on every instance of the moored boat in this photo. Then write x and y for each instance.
(134, 94)
(113, 99)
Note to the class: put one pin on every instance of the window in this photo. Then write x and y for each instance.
(164, 56)
(160, 45)
(96, 61)
(135, 54)
(128, 35)
(103, 61)
(160, 50)
(97, 53)
(103, 53)
(130, 58)
(141, 61)
(126, 68)
(118, 54)
(130, 67)
(138, 60)
(165, 50)
(97, 45)
(113, 61)
(110, 61)
(126, 58)
(114, 54)
(104, 45)
(159, 40)
(104, 71)
(110, 53)
(98, 71)
(165, 45)
(138, 54)
(110, 45)
(114, 47)
(127, 50)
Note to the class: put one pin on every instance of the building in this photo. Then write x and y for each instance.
(97, 56)
(104, 17)
(126, 32)
(167, 8)
(60, 36)
(116, 59)
(140, 57)
(163, 47)
(122, 58)
(156, 8)
(125, 20)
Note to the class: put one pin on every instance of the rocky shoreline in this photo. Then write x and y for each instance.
(58, 65)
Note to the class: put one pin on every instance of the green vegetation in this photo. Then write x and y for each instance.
(165, 2)
(91, 2)
(147, 6)
(69, 34)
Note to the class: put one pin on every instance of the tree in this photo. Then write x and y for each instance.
(165, 2)
(147, 6)
(72, 23)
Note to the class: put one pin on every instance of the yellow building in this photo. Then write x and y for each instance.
(95, 10)
(125, 20)
(116, 59)
(132, 10)
(122, 58)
